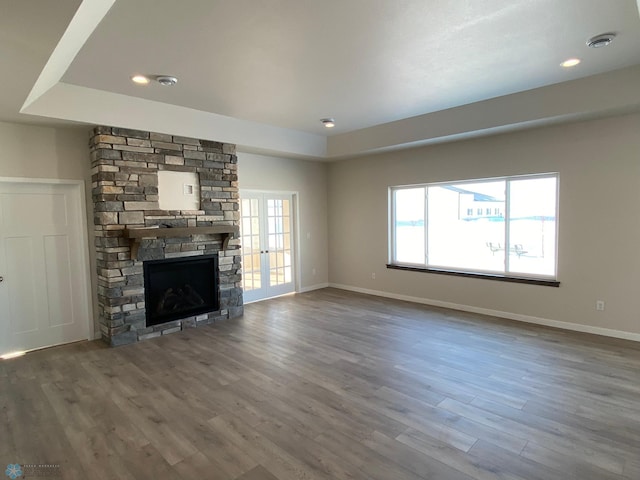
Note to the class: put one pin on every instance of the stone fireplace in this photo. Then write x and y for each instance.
(133, 235)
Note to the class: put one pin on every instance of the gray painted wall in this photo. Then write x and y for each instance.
(599, 221)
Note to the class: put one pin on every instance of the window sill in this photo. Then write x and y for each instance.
(487, 276)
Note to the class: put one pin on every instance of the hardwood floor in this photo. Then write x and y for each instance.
(331, 385)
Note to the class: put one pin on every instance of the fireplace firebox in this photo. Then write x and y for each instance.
(180, 287)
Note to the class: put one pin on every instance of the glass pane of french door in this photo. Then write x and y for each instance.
(279, 241)
(250, 240)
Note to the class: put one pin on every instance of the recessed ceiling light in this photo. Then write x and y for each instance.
(570, 62)
(601, 40)
(166, 80)
(328, 122)
(140, 79)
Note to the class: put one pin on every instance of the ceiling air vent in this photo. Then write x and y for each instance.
(166, 80)
(601, 40)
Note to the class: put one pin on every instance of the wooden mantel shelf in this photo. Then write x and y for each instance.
(135, 235)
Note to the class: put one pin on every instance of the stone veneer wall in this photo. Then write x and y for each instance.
(125, 195)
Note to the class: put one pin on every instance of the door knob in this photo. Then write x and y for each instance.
(1, 279)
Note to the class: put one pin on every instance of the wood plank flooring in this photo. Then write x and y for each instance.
(331, 385)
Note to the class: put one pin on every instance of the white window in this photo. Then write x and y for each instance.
(427, 231)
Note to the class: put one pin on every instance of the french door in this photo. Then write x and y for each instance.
(266, 231)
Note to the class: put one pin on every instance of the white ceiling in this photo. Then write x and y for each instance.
(262, 73)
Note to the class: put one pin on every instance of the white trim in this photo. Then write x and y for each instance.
(297, 241)
(311, 288)
(49, 181)
(92, 332)
(262, 190)
(575, 327)
(258, 300)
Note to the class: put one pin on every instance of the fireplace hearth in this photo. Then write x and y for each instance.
(180, 287)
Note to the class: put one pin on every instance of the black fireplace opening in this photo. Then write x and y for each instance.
(180, 287)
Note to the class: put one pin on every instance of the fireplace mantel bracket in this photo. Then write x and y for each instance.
(135, 235)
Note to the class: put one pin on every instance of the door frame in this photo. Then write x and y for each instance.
(295, 232)
(79, 193)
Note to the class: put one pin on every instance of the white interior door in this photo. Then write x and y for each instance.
(267, 245)
(43, 293)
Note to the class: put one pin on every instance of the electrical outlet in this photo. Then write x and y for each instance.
(313, 271)
(373, 276)
(600, 305)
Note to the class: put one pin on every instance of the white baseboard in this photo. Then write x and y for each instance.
(302, 290)
(576, 327)
(311, 288)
